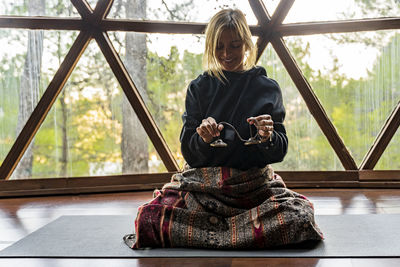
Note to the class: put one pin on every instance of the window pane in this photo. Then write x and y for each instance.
(29, 61)
(91, 129)
(308, 147)
(271, 5)
(171, 62)
(357, 82)
(57, 8)
(169, 10)
(92, 3)
(391, 156)
(386, 77)
(317, 10)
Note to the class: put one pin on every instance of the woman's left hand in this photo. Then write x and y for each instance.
(264, 125)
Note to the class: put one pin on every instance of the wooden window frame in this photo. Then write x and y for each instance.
(93, 24)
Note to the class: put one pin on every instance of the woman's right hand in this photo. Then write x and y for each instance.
(208, 129)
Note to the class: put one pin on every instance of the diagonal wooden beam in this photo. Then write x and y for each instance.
(313, 103)
(382, 140)
(43, 107)
(281, 12)
(83, 8)
(260, 11)
(264, 21)
(261, 45)
(101, 11)
(268, 24)
(279, 15)
(136, 101)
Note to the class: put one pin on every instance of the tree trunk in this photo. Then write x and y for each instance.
(29, 89)
(64, 123)
(134, 145)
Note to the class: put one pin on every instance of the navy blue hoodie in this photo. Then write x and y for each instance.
(243, 95)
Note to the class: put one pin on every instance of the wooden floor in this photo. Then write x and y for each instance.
(21, 216)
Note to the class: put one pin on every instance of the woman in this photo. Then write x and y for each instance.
(235, 91)
(228, 197)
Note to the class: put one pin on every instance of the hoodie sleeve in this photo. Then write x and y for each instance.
(276, 149)
(195, 151)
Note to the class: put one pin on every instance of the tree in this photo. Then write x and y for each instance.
(134, 145)
(29, 87)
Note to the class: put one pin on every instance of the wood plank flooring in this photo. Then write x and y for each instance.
(21, 216)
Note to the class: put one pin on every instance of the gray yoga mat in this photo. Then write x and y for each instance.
(101, 237)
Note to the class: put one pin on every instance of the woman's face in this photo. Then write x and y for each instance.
(230, 51)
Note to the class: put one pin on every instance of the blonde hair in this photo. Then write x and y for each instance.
(231, 19)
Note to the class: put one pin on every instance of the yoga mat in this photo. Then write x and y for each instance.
(376, 235)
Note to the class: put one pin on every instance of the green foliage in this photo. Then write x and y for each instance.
(382, 8)
(9, 83)
(167, 79)
(386, 84)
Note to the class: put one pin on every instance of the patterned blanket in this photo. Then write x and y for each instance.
(224, 208)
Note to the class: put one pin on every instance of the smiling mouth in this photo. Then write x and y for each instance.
(228, 60)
